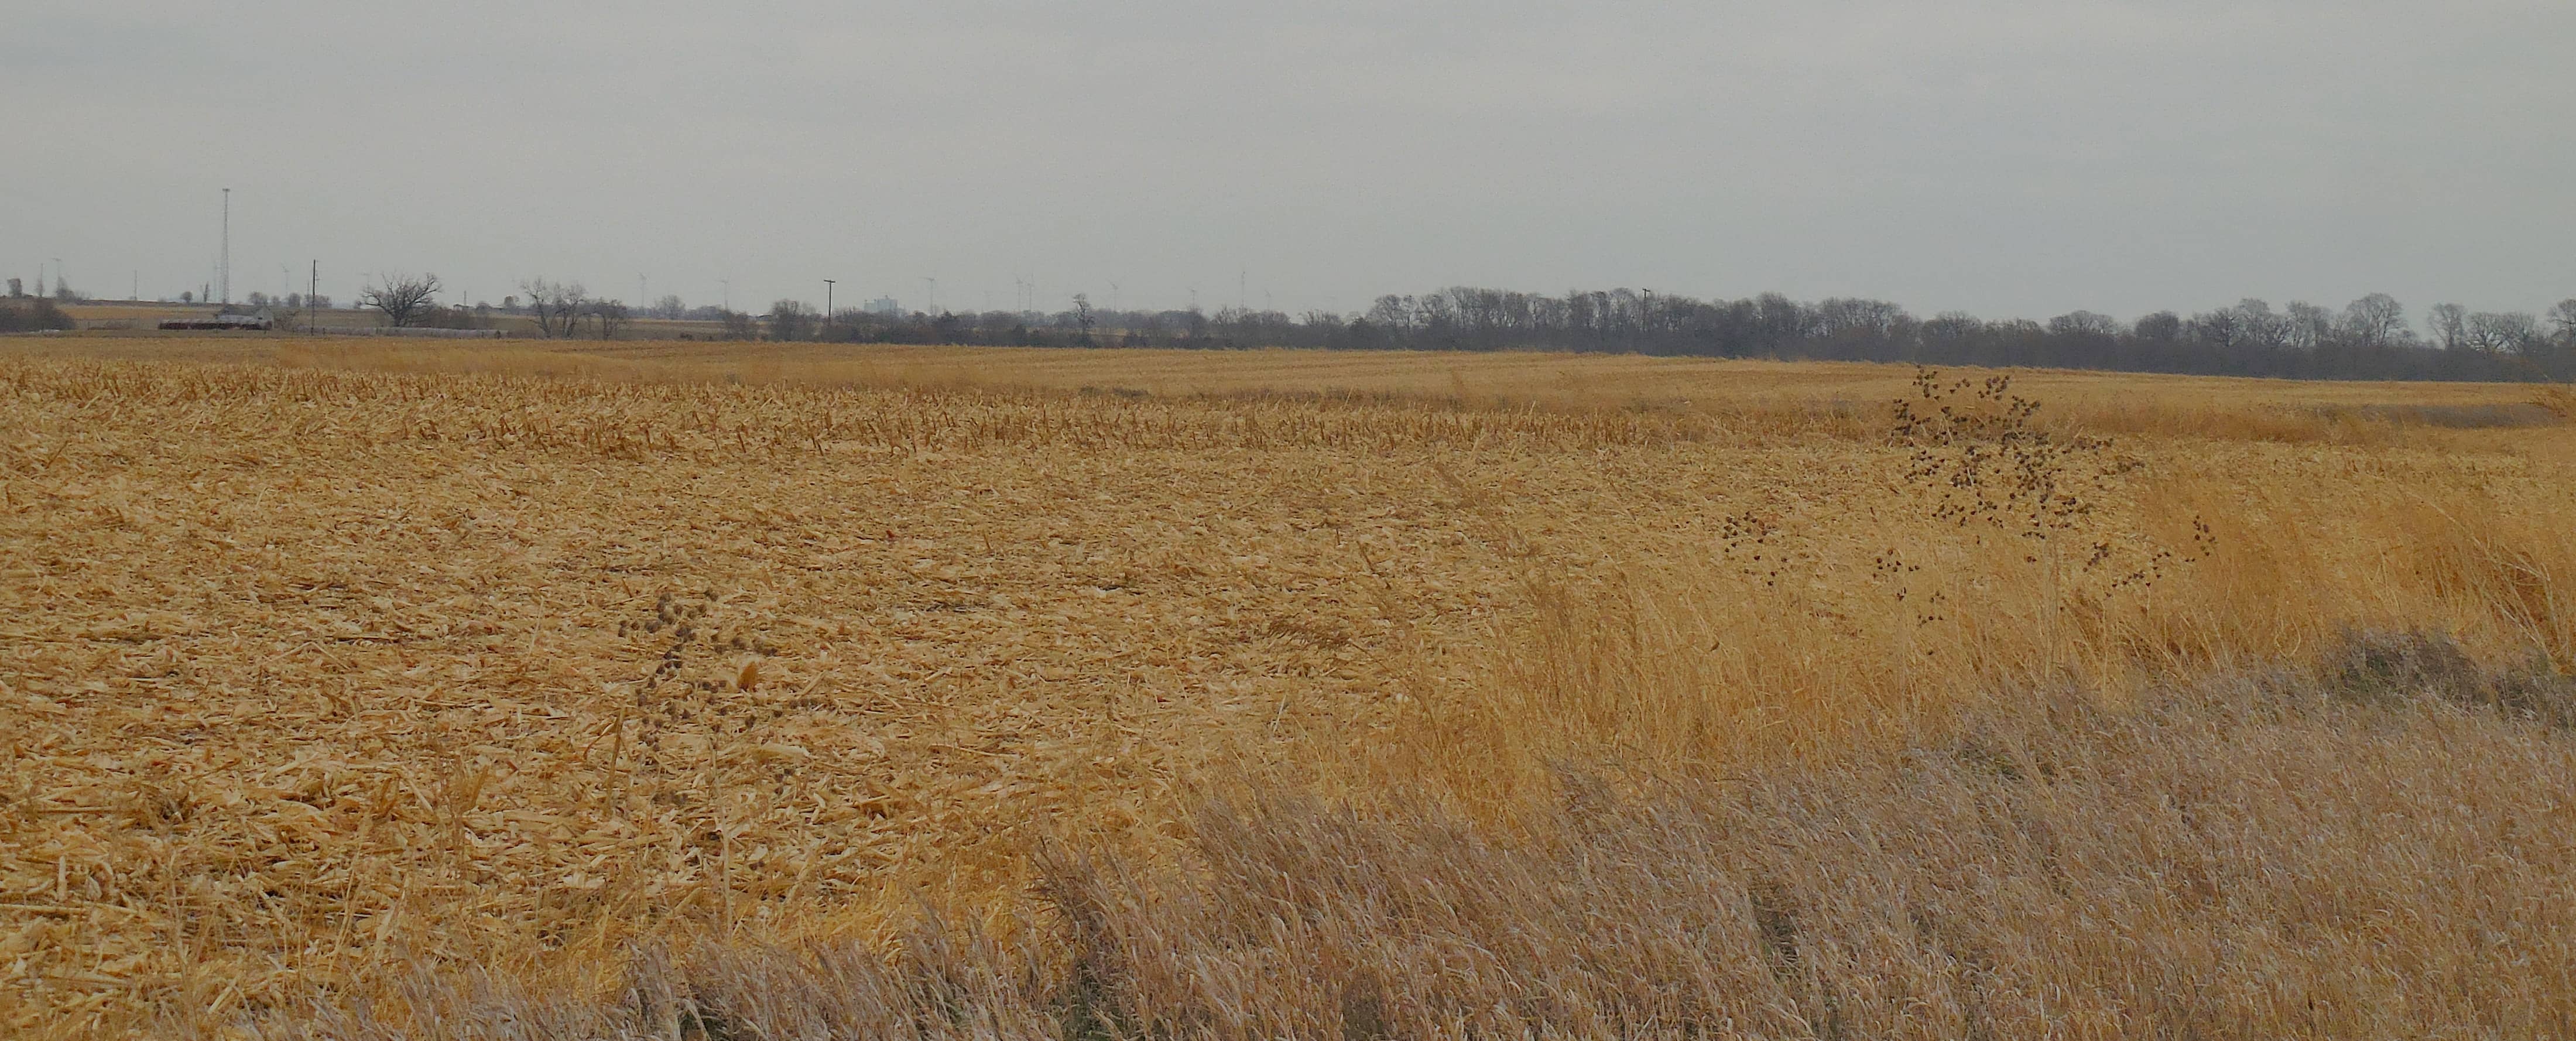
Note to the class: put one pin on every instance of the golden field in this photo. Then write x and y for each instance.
(332, 666)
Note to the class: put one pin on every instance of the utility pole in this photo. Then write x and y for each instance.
(827, 306)
(313, 306)
(224, 271)
(728, 292)
(933, 309)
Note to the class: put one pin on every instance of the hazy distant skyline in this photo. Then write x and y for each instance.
(2008, 157)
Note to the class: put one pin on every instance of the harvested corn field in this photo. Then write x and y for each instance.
(325, 666)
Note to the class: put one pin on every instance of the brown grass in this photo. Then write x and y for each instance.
(2250, 856)
(329, 661)
(2557, 400)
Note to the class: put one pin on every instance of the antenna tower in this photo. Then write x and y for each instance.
(224, 269)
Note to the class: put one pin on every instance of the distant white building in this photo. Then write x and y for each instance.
(885, 305)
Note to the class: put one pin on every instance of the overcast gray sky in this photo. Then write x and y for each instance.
(2008, 157)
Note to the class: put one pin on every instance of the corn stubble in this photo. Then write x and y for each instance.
(2245, 857)
(430, 693)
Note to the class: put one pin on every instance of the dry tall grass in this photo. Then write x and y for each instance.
(2379, 854)
(326, 663)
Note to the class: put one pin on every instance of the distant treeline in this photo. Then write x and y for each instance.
(2370, 338)
(32, 314)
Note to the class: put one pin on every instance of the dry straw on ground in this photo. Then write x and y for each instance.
(325, 662)
(2376, 853)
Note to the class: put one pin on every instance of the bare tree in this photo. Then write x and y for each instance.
(2310, 326)
(405, 299)
(739, 326)
(2260, 326)
(2377, 320)
(790, 320)
(557, 306)
(670, 306)
(2564, 317)
(2224, 327)
(1837, 318)
(2509, 332)
(2090, 323)
(2449, 323)
(2160, 327)
(611, 317)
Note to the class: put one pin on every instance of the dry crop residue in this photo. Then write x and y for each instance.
(309, 673)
